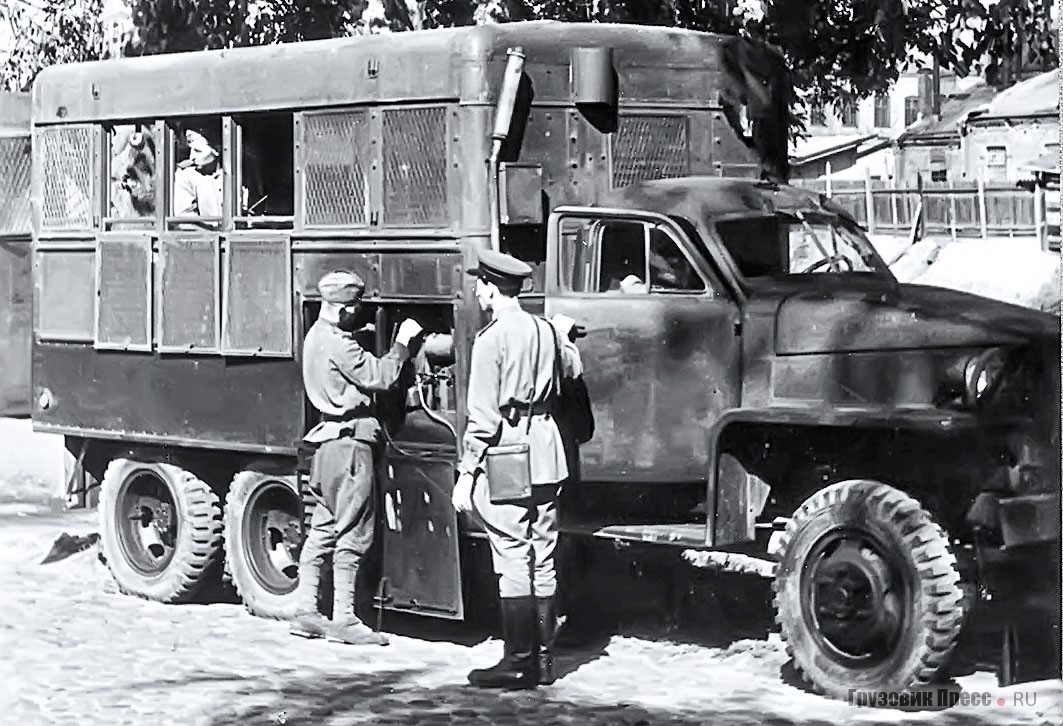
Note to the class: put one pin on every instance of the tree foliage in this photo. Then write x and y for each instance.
(836, 49)
(45, 33)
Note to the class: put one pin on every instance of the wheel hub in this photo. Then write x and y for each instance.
(146, 525)
(272, 537)
(855, 597)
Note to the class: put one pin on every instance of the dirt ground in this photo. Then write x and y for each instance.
(75, 651)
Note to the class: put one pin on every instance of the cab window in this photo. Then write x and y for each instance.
(624, 257)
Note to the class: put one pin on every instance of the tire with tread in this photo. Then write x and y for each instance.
(198, 543)
(919, 550)
(258, 599)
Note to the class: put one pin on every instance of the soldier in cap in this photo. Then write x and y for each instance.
(507, 382)
(340, 378)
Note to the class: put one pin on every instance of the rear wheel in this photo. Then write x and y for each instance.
(867, 592)
(160, 529)
(263, 537)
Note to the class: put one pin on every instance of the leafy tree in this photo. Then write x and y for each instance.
(836, 50)
(47, 32)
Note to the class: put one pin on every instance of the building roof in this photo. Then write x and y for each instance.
(954, 109)
(817, 148)
(1035, 96)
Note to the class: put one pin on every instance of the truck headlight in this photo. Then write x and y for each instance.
(982, 374)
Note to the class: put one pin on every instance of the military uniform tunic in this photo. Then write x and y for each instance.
(505, 374)
(339, 377)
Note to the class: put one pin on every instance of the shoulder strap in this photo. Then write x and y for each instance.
(535, 372)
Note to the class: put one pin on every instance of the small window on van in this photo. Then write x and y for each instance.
(131, 159)
(197, 191)
(265, 171)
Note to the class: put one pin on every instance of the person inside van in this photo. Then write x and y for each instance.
(198, 179)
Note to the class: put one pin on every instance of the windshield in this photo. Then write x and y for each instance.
(794, 244)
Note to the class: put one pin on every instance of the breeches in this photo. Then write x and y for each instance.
(523, 537)
(341, 481)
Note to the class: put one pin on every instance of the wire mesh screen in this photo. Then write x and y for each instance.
(415, 166)
(258, 310)
(15, 185)
(335, 191)
(649, 147)
(189, 294)
(67, 290)
(68, 177)
(125, 293)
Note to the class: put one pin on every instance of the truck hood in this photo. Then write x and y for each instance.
(852, 313)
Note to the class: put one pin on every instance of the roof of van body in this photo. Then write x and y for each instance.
(428, 65)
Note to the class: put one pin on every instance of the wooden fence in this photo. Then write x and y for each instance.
(974, 210)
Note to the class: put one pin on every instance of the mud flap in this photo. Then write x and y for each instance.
(740, 498)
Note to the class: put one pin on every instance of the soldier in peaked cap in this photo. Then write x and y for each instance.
(513, 376)
(340, 378)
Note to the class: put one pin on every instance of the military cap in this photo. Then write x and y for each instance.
(499, 267)
(209, 131)
(341, 287)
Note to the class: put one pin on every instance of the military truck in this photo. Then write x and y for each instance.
(16, 287)
(762, 385)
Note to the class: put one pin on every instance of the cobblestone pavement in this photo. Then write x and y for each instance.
(77, 652)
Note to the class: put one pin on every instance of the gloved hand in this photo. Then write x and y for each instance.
(563, 324)
(408, 330)
(461, 497)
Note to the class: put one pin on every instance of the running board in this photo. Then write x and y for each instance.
(731, 562)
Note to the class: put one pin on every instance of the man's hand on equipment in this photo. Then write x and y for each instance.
(461, 497)
(408, 330)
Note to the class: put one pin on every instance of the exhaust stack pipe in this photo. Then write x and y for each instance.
(507, 100)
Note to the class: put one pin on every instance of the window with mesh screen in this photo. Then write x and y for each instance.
(123, 314)
(649, 147)
(188, 294)
(15, 185)
(68, 186)
(415, 166)
(66, 294)
(257, 316)
(334, 146)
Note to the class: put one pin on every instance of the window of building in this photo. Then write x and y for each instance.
(882, 110)
(619, 256)
(996, 162)
(131, 188)
(911, 110)
(847, 111)
(264, 172)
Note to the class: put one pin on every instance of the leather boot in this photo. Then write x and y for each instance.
(519, 667)
(346, 627)
(547, 637)
(307, 622)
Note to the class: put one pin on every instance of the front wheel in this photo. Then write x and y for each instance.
(263, 537)
(867, 593)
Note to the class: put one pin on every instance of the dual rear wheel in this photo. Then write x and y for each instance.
(164, 536)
